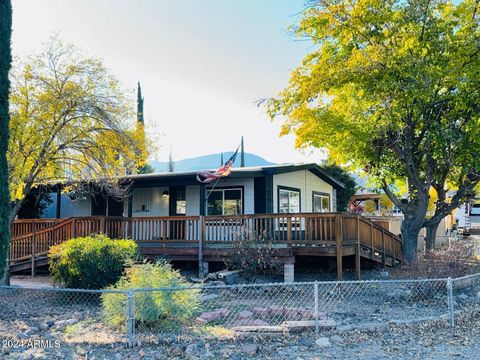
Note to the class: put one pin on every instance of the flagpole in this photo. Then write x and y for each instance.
(206, 195)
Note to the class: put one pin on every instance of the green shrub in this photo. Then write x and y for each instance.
(90, 262)
(151, 307)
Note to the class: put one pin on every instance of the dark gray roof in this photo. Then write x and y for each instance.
(252, 171)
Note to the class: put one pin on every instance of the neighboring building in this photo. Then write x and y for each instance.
(299, 188)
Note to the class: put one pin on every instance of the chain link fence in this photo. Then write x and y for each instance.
(121, 317)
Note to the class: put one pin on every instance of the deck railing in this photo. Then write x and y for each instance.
(334, 230)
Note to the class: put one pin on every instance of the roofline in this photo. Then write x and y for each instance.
(257, 171)
(250, 172)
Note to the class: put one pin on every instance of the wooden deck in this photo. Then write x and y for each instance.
(210, 238)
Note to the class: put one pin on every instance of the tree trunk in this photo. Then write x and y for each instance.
(410, 228)
(431, 235)
(5, 62)
(17, 204)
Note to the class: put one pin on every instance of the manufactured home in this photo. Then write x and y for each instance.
(248, 190)
(292, 206)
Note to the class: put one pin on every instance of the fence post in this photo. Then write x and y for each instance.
(316, 307)
(451, 306)
(130, 319)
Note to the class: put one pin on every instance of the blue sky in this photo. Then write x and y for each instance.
(202, 64)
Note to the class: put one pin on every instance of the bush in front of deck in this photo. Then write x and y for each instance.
(93, 262)
(253, 254)
(152, 306)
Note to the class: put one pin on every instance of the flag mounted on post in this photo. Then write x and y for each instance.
(206, 177)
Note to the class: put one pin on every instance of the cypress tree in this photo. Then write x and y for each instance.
(242, 154)
(221, 159)
(139, 104)
(5, 63)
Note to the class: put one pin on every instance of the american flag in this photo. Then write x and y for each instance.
(206, 177)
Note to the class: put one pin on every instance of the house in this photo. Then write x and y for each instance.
(300, 188)
(172, 214)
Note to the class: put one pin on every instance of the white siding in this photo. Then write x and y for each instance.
(68, 207)
(192, 197)
(152, 199)
(307, 182)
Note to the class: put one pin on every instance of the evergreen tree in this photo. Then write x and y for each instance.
(5, 63)
(171, 164)
(343, 195)
(139, 104)
(221, 159)
(242, 154)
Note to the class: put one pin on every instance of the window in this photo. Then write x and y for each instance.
(224, 202)
(321, 202)
(288, 200)
(180, 203)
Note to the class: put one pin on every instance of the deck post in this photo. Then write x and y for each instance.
(357, 251)
(201, 222)
(33, 255)
(384, 256)
(102, 229)
(339, 239)
(289, 231)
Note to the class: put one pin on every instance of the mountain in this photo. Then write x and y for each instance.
(211, 161)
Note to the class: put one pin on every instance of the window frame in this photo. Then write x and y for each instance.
(223, 189)
(321, 194)
(290, 189)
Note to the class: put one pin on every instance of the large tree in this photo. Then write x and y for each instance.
(5, 61)
(392, 87)
(70, 122)
(343, 195)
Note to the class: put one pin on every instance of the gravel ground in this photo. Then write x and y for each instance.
(428, 340)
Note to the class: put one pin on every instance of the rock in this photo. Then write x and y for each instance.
(249, 349)
(209, 316)
(323, 342)
(224, 312)
(31, 331)
(260, 311)
(250, 322)
(298, 326)
(337, 339)
(22, 335)
(462, 297)
(478, 294)
(384, 274)
(275, 310)
(44, 326)
(177, 349)
(207, 297)
(71, 321)
(259, 329)
(230, 277)
(196, 280)
(305, 341)
(141, 354)
(118, 356)
(50, 323)
(60, 325)
(309, 314)
(372, 326)
(212, 276)
(245, 314)
(190, 350)
(194, 350)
